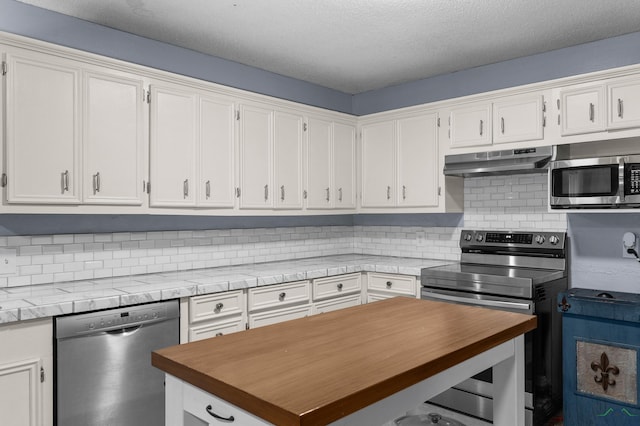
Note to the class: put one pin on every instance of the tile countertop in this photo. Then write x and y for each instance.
(48, 300)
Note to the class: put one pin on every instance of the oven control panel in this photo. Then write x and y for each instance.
(472, 238)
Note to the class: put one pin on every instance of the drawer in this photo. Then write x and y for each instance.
(396, 284)
(217, 328)
(218, 305)
(275, 296)
(278, 315)
(198, 406)
(324, 288)
(337, 303)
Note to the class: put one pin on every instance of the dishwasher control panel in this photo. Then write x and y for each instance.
(115, 319)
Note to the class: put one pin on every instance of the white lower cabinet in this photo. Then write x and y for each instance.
(276, 303)
(382, 286)
(333, 293)
(26, 373)
(216, 314)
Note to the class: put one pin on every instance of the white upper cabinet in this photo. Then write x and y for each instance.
(173, 145)
(288, 143)
(400, 162)
(256, 157)
(378, 164)
(113, 139)
(470, 125)
(518, 118)
(582, 109)
(624, 103)
(42, 129)
(330, 164)
(344, 166)
(418, 161)
(216, 152)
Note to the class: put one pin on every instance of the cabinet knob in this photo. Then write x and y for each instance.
(340, 286)
(219, 307)
(219, 333)
(389, 284)
(282, 295)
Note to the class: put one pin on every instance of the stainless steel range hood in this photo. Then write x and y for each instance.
(509, 161)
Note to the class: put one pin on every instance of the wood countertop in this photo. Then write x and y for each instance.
(317, 369)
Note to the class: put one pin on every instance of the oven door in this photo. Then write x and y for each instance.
(474, 396)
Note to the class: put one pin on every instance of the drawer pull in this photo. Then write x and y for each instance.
(340, 286)
(214, 415)
(218, 334)
(219, 307)
(282, 295)
(389, 284)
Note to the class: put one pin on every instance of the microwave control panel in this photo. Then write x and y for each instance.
(632, 179)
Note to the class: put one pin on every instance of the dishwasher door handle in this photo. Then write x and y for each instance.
(126, 331)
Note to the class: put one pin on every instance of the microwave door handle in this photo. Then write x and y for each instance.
(482, 302)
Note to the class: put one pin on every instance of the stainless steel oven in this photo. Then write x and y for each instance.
(513, 271)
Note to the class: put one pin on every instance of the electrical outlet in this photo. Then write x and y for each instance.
(629, 241)
(7, 262)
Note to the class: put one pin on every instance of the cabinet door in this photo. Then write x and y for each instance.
(378, 157)
(418, 161)
(318, 164)
(173, 142)
(518, 118)
(113, 139)
(470, 125)
(216, 155)
(344, 166)
(582, 110)
(42, 129)
(624, 103)
(287, 160)
(255, 146)
(20, 398)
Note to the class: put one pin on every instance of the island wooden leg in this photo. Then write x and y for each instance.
(508, 387)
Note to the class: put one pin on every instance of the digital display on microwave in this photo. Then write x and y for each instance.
(587, 181)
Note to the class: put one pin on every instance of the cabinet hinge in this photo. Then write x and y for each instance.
(237, 115)
(304, 127)
(246, 326)
(439, 191)
(558, 103)
(42, 375)
(4, 68)
(544, 107)
(3, 182)
(146, 187)
(438, 121)
(149, 96)
(544, 121)
(237, 192)
(304, 194)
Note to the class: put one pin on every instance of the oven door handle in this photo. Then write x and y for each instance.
(522, 306)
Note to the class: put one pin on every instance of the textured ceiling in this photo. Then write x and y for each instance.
(359, 45)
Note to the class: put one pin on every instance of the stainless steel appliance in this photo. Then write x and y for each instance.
(506, 161)
(513, 271)
(601, 182)
(103, 372)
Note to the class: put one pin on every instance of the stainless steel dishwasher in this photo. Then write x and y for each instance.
(103, 373)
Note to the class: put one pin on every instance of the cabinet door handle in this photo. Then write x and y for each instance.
(502, 124)
(185, 188)
(207, 189)
(65, 181)
(340, 194)
(96, 182)
(481, 127)
(620, 109)
(266, 192)
(282, 193)
(328, 191)
(404, 192)
(592, 111)
(217, 416)
(282, 295)
(388, 192)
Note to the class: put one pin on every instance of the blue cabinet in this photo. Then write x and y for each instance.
(601, 348)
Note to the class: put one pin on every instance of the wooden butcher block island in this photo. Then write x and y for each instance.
(360, 365)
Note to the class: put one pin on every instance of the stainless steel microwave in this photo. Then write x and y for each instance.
(604, 182)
